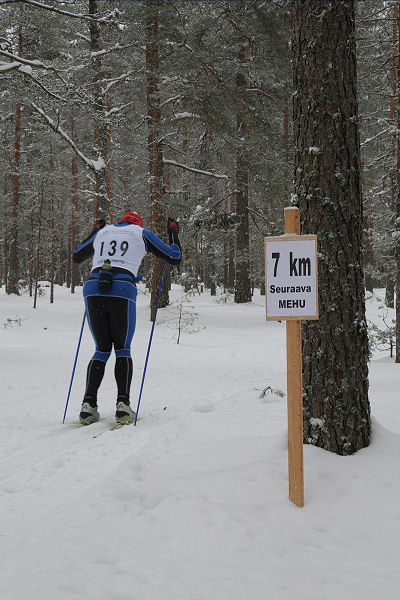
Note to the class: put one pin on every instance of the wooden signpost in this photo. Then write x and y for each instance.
(291, 294)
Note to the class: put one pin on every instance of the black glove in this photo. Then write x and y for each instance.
(99, 225)
(173, 225)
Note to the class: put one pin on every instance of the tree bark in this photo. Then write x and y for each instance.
(6, 226)
(397, 207)
(37, 269)
(156, 180)
(14, 270)
(52, 228)
(327, 183)
(99, 106)
(242, 254)
(74, 207)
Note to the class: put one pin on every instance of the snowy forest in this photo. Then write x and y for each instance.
(225, 116)
(133, 105)
(218, 114)
(174, 108)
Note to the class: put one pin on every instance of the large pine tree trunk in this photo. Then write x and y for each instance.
(327, 183)
(157, 192)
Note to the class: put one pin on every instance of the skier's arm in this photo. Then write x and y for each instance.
(85, 249)
(172, 253)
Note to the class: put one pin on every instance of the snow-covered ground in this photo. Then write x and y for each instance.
(193, 502)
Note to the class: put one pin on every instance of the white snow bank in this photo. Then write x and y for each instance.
(192, 503)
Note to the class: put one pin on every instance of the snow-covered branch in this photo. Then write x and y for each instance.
(118, 79)
(106, 18)
(94, 166)
(173, 163)
(116, 48)
(186, 115)
(5, 67)
(385, 131)
(169, 100)
(23, 61)
(117, 109)
(25, 71)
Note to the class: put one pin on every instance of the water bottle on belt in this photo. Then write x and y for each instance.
(105, 278)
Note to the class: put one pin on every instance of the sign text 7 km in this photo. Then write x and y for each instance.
(291, 277)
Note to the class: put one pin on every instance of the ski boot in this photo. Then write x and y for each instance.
(89, 413)
(124, 413)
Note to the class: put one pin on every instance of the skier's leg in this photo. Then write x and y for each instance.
(122, 325)
(99, 323)
(123, 374)
(123, 321)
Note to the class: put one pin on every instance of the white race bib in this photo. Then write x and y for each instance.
(122, 245)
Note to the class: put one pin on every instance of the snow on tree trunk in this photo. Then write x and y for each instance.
(327, 183)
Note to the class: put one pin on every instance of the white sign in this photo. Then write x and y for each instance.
(291, 277)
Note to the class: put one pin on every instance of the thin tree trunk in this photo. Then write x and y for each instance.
(38, 247)
(125, 183)
(369, 224)
(6, 229)
(14, 270)
(99, 105)
(52, 227)
(242, 255)
(74, 206)
(157, 192)
(185, 195)
(390, 280)
(231, 245)
(397, 205)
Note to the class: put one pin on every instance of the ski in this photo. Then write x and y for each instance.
(121, 425)
(112, 427)
(78, 424)
(118, 426)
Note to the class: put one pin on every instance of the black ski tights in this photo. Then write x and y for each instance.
(95, 372)
(112, 323)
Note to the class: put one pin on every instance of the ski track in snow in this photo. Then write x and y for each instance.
(192, 502)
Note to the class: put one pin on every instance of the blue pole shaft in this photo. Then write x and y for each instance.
(73, 369)
(151, 338)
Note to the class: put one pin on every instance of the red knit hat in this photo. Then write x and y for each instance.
(132, 218)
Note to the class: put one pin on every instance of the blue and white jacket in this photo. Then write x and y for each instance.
(124, 246)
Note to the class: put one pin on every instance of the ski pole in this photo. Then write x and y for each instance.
(73, 369)
(151, 337)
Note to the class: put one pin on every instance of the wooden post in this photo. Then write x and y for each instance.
(294, 388)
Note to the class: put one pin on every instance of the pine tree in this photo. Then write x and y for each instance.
(328, 187)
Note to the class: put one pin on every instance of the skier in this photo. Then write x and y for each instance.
(110, 301)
